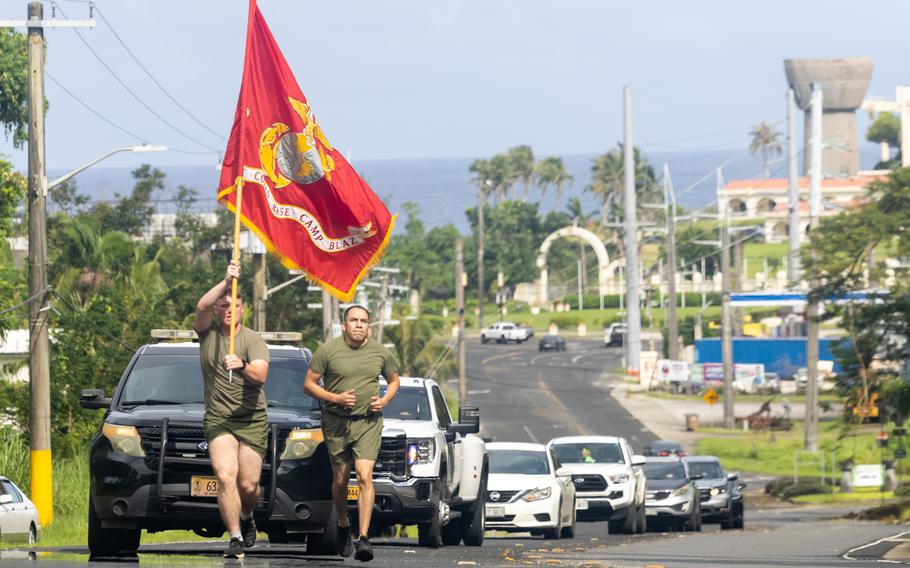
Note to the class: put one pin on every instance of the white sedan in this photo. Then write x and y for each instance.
(18, 515)
(528, 491)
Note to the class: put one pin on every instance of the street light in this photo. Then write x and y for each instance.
(137, 149)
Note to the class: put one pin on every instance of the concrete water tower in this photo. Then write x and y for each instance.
(844, 83)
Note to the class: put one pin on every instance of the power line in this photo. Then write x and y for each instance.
(79, 313)
(133, 94)
(26, 301)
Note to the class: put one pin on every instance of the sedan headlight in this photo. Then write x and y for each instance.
(621, 478)
(718, 490)
(421, 451)
(124, 439)
(301, 444)
(681, 491)
(538, 494)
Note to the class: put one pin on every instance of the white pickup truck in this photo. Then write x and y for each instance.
(504, 331)
(431, 471)
(609, 481)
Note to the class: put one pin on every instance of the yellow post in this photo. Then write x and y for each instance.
(41, 485)
(236, 257)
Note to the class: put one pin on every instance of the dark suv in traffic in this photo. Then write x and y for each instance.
(149, 463)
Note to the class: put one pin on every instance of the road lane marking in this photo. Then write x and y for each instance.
(577, 357)
(480, 391)
(569, 417)
(499, 356)
(531, 435)
(847, 554)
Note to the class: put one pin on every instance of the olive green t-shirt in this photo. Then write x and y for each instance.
(230, 397)
(343, 368)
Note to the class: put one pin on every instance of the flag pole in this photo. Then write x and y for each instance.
(236, 257)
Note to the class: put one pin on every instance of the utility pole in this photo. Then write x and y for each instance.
(633, 308)
(259, 291)
(581, 289)
(726, 313)
(793, 194)
(459, 314)
(812, 309)
(672, 323)
(482, 199)
(380, 308)
(41, 484)
(737, 285)
(327, 331)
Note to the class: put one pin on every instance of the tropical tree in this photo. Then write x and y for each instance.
(14, 85)
(579, 217)
(520, 167)
(607, 184)
(765, 141)
(551, 171)
(886, 129)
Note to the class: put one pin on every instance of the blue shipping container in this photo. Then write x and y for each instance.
(779, 355)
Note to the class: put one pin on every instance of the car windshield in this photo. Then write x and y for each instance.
(664, 470)
(177, 379)
(522, 462)
(411, 403)
(669, 447)
(708, 470)
(588, 453)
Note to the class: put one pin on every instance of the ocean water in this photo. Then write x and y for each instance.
(443, 188)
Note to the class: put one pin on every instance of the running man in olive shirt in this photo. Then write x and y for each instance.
(235, 423)
(350, 367)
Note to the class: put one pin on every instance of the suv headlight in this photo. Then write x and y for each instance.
(718, 490)
(621, 478)
(421, 451)
(538, 494)
(301, 444)
(681, 491)
(124, 439)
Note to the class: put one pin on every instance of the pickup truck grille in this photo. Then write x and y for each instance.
(392, 460)
(504, 496)
(590, 482)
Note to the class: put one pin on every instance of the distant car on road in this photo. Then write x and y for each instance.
(722, 498)
(609, 482)
(505, 331)
(18, 515)
(664, 448)
(551, 342)
(672, 497)
(614, 336)
(528, 491)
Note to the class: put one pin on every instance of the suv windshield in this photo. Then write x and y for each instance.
(588, 453)
(522, 462)
(177, 379)
(707, 470)
(664, 470)
(411, 403)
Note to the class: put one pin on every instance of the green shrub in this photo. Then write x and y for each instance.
(903, 490)
(566, 321)
(807, 488)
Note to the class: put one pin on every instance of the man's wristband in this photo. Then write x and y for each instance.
(242, 367)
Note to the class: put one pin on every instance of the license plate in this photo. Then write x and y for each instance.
(496, 511)
(581, 504)
(203, 486)
(353, 492)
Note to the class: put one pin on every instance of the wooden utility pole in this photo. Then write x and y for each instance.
(259, 291)
(672, 323)
(380, 308)
(480, 236)
(459, 314)
(327, 331)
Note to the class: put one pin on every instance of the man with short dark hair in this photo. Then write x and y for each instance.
(235, 422)
(350, 367)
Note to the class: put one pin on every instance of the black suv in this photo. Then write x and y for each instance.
(149, 463)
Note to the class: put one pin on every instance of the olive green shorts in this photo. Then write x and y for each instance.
(350, 439)
(253, 431)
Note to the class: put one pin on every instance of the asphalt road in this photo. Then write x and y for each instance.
(526, 396)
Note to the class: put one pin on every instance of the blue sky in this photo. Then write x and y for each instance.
(419, 79)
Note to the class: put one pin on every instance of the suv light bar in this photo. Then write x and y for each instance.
(273, 336)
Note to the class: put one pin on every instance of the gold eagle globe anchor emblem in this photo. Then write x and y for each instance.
(301, 157)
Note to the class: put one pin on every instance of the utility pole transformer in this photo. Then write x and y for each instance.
(793, 193)
(672, 324)
(812, 308)
(633, 308)
(459, 315)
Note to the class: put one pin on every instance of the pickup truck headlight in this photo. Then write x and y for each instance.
(421, 451)
(124, 439)
(301, 444)
(621, 478)
(538, 494)
(681, 491)
(718, 490)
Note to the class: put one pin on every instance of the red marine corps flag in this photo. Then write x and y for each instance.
(300, 196)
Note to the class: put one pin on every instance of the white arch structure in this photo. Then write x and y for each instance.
(603, 259)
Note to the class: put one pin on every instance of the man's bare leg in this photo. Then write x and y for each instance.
(364, 470)
(250, 470)
(223, 451)
(341, 475)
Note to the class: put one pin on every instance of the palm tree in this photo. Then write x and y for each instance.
(521, 166)
(608, 178)
(765, 141)
(552, 171)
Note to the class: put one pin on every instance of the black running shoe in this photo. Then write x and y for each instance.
(248, 530)
(364, 550)
(343, 544)
(234, 549)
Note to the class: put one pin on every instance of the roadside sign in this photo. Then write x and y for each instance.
(868, 475)
(711, 397)
(900, 453)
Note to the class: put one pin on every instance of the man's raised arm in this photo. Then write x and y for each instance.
(203, 319)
